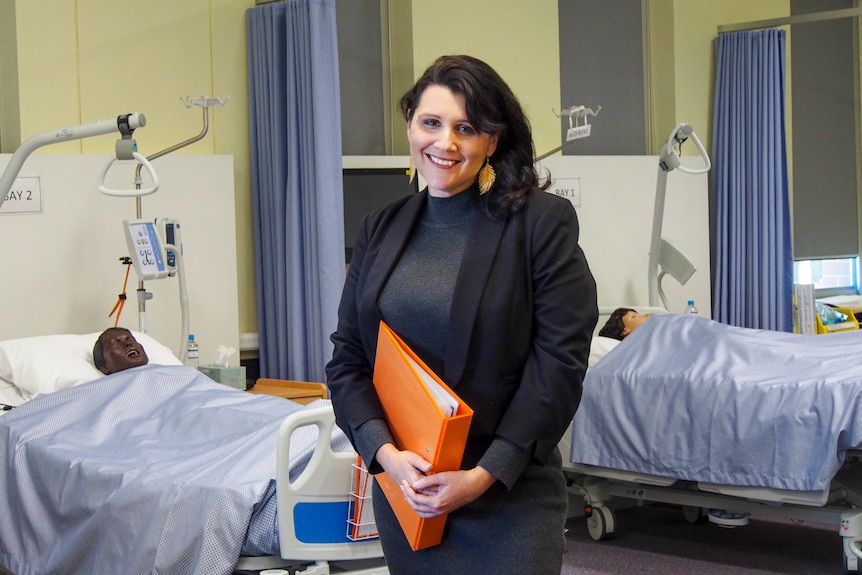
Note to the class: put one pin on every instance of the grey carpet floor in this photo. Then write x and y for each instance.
(655, 539)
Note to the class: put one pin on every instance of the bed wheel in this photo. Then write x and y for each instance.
(695, 515)
(601, 523)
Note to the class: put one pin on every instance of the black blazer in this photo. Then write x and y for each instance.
(522, 317)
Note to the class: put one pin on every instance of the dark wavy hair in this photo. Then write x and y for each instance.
(614, 326)
(494, 109)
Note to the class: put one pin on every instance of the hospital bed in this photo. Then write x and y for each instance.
(160, 469)
(699, 414)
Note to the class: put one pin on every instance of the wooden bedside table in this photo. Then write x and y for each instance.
(299, 391)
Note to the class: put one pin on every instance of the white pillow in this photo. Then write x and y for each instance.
(600, 347)
(42, 364)
(9, 394)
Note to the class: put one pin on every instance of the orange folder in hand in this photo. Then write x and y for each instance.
(417, 404)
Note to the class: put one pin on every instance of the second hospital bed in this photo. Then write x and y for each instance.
(704, 415)
(159, 469)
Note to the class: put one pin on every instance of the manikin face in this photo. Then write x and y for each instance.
(632, 320)
(122, 351)
(445, 147)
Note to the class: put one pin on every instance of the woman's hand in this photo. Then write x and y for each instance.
(402, 465)
(432, 495)
(435, 494)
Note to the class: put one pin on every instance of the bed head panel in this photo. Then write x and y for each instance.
(73, 247)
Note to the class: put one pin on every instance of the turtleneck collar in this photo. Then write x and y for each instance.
(451, 211)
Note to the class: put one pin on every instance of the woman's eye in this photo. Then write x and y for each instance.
(466, 129)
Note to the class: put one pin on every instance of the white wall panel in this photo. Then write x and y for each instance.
(61, 271)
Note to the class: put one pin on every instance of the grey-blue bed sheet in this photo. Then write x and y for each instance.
(690, 398)
(153, 469)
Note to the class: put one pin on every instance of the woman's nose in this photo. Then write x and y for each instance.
(448, 140)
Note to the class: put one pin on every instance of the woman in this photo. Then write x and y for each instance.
(482, 275)
(622, 322)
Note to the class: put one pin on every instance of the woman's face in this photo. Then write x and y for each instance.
(445, 147)
(632, 320)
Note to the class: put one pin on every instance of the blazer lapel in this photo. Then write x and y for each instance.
(391, 247)
(482, 246)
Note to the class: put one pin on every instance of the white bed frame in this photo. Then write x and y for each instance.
(325, 482)
(603, 487)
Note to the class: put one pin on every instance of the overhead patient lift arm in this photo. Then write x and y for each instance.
(676, 263)
(125, 124)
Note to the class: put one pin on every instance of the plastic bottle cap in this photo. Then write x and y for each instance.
(192, 336)
(691, 302)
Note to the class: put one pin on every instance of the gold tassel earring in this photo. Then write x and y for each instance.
(411, 171)
(486, 177)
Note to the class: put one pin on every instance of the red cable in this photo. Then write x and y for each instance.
(121, 299)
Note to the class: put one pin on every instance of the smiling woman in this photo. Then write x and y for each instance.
(444, 145)
(481, 274)
(117, 349)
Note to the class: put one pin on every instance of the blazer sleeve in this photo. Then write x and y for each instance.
(565, 312)
(349, 372)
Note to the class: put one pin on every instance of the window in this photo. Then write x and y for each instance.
(835, 276)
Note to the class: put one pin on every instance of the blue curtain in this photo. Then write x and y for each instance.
(295, 131)
(750, 204)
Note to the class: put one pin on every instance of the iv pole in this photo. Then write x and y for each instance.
(205, 103)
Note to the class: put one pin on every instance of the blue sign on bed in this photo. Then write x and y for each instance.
(322, 522)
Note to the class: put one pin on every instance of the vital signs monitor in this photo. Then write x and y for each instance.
(145, 246)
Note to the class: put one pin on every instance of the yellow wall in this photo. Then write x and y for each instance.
(695, 25)
(78, 62)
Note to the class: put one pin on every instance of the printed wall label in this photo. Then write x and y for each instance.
(25, 197)
(569, 188)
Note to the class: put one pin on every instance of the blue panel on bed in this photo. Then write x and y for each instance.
(323, 522)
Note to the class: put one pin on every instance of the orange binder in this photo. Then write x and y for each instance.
(418, 424)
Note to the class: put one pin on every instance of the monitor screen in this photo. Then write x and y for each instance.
(366, 189)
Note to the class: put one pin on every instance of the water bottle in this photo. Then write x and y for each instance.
(691, 309)
(192, 352)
